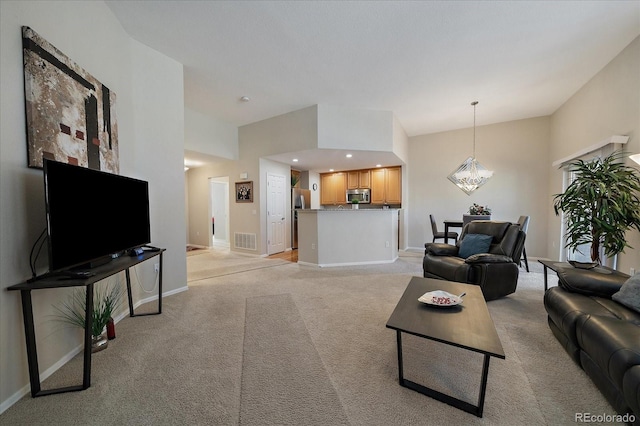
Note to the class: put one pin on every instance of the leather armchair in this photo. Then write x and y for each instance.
(496, 272)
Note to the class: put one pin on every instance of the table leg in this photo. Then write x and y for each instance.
(483, 385)
(128, 279)
(400, 367)
(88, 325)
(477, 410)
(446, 233)
(131, 311)
(545, 276)
(160, 286)
(30, 338)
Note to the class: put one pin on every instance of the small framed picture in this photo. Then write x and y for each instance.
(244, 192)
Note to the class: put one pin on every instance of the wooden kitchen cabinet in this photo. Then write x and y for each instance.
(386, 186)
(353, 180)
(364, 179)
(333, 188)
(393, 185)
(359, 179)
(377, 186)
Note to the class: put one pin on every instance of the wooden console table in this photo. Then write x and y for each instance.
(99, 273)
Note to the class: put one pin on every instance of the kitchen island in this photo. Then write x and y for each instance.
(341, 237)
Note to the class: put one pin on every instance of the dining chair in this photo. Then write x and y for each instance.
(440, 234)
(523, 222)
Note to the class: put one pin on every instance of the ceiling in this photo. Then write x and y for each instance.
(423, 60)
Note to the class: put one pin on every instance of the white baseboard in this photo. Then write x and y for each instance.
(375, 262)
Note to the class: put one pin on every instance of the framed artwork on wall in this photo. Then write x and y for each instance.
(244, 192)
(70, 115)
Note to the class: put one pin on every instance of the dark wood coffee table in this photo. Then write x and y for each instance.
(467, 326)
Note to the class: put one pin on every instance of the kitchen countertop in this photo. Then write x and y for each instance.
(346, 209)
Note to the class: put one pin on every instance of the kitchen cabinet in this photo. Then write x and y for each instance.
(333, 188)
(386, 186)
(359, 179)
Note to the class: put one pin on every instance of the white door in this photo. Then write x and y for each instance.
(276, 217)
(219, 193)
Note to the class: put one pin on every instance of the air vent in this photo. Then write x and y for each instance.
(245, 241)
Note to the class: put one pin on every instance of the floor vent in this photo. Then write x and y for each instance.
(244, 241)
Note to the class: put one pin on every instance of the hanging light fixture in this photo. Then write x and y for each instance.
(471, 175)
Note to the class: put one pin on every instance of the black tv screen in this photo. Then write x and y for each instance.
(92, 214)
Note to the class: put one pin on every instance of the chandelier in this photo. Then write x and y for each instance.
(470, 175)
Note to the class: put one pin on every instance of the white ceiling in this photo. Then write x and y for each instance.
(424, 60)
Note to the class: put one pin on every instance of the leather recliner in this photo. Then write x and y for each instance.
(496, 272)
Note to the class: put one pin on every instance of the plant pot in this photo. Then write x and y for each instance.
(99, 343)
(355, 206)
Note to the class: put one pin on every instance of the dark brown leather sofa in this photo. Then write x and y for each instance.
(496, 272)
(601, 335)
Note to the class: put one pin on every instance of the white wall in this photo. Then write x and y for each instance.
(356, 129)
(150, 128)
(609, 104)
(517, 151)
(209, 135)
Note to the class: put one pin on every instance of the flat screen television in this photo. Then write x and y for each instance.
(92, 215)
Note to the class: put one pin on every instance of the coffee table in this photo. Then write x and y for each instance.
(468, 326)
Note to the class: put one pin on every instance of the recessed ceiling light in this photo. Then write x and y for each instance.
(349, 155)
(245, 99)
(330, 170)
(378, 165)
(295, 160)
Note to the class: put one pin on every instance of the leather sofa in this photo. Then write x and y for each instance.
(601, 335)
(495, 271)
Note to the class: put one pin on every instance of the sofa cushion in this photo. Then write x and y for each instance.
(474, 244)
(629, 293)
(590, 282)
(565, 308)
(613, 344)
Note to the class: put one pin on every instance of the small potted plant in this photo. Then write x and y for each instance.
(477, 212)
(355, 204)
(105, 304)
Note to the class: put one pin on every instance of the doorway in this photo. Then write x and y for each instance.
(219, 212)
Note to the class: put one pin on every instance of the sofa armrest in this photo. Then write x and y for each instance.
(488, 258)
(441, 249)
(590, 283)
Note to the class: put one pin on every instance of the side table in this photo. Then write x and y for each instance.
(556, 265)
(100, 273)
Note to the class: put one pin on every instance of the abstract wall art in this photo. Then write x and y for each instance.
(70, 116)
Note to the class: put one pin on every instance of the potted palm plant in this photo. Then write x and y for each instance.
(106, 301)
(600, 205)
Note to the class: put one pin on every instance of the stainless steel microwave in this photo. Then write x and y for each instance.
(362, 195)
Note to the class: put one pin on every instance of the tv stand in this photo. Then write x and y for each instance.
(59, 281)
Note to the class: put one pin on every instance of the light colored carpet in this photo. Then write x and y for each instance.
(283, 378)
(207, 358)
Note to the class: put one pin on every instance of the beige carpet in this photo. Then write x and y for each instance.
(210, 360)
